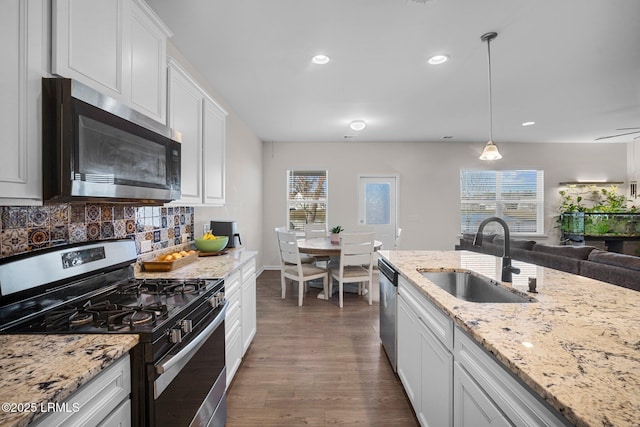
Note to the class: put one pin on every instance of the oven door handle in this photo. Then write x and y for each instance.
(170, 366)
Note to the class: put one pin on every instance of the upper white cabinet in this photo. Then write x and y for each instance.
(200, 121)
(23, 33)
(117, 47)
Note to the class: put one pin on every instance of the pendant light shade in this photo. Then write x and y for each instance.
(490, 151)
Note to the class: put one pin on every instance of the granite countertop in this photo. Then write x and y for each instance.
(585, 358)
(206, 267)
(42, 369)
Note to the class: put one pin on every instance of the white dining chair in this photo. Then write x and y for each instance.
(292, 268)
(356, 264)
(317, 231)
(304, 258)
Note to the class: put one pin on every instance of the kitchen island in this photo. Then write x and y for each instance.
(577, 347)
(41, 370)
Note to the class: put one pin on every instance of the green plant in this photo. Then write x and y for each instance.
(337, 229)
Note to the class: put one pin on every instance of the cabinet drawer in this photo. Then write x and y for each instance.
(431, 316)
(248, 269)
(232, 318)
(232, 283)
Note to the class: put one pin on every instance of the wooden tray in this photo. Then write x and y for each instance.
(222, 252)
(169, 265)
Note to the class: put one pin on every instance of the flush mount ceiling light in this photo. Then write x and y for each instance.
(438, 59)
(528, 123)
(320, 59)
(358, 125)
(490, 151)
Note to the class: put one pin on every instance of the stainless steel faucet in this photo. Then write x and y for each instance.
(507, 269)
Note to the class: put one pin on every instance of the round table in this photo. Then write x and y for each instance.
(324, 247)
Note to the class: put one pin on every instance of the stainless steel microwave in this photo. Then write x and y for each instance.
(95, 149)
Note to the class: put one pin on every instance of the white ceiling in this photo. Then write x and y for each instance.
(572, 66)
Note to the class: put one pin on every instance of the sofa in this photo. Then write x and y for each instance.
(618, 269)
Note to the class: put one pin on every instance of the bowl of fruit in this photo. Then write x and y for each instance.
(211, 243)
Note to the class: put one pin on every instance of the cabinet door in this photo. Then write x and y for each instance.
(248, 304)
(473, 408)
(22, 33)
(90, 43)
(185, 116)
(409, 363)
(436, 407)
(148, 63)
(213, 153)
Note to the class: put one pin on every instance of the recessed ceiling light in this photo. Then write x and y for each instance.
(438, 59)
(528, 123)
(320, 59)
(358, 125)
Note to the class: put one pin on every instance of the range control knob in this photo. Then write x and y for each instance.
(187, 326)
(175, 336)
(217, 299)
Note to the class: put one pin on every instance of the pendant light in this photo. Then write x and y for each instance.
(490, 151)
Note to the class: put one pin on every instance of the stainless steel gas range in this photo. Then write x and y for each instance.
(178, 367)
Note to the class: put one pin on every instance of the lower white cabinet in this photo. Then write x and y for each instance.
(424, 362)
(248, 304)
(240, 322)
(232, 324)
(451, 380)
(103, 401)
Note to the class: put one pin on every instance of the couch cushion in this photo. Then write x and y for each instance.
(613, 258)
(488, 238)
(613, 274)
(577, 252)
(515, 243)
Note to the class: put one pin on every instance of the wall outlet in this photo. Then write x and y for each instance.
(145, 246)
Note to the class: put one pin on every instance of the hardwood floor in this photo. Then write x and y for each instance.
(315, 365)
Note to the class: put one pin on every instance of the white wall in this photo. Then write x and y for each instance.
(243, 160)
(429, 180)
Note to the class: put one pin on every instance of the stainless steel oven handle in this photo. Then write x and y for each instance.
(190, 349)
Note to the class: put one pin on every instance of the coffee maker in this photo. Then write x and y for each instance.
(226, 228)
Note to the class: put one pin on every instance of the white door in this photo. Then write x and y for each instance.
(377, 207)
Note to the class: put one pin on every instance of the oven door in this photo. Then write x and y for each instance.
(189, 386)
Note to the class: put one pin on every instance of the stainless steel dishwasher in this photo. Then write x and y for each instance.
(388, 311)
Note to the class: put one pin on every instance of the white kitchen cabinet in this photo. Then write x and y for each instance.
(248, 304)
(116, 47)
(473, 407)
(201, 123)
(185, 118)
(23, 26)
(232, 324)
(103, 401)
(213, 153)
(425, 363)
(499, 388)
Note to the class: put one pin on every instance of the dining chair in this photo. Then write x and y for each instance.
(356, 264)
(317, 231)
(291, 267)
(304, 258)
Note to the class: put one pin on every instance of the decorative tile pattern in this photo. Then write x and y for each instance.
(27, 228)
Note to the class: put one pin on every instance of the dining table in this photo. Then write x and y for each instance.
(323, 246)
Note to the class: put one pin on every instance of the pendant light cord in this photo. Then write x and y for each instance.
(490, 91)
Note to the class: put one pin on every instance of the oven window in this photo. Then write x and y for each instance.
(180, 401)
(110, 155)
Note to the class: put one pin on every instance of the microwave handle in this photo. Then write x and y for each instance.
(170, 366)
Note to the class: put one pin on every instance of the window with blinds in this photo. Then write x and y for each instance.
(306, 198)
(517, 196)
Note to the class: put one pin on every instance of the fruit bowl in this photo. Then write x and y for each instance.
(214, 245)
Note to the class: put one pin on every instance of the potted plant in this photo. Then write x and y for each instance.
(335, 234)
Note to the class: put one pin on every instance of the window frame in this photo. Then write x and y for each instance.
(306, 199)
(500, 201)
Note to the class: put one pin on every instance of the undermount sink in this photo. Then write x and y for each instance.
(469, 287)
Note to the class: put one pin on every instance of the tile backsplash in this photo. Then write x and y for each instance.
(29, 228)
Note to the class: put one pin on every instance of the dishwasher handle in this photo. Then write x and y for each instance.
(388, 271)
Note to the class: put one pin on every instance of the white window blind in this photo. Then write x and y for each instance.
(517, 196)
(306, 198)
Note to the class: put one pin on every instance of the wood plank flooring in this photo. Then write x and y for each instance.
(315, 365)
